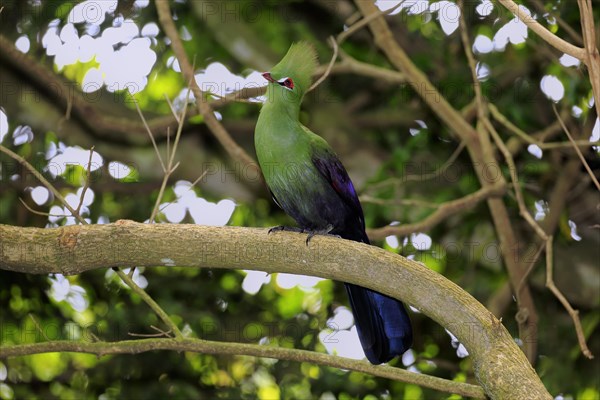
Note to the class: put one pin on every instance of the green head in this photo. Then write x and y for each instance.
(292, 77)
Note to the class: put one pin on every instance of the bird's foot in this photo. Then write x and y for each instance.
(285, 228)
(311, 232)
(325, 232)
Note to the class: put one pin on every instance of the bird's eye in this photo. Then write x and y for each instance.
(287, 83)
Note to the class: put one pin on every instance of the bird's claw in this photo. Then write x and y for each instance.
(285, 228)
(311, 233)
(324, 232)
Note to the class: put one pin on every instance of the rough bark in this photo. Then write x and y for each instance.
(500, 366)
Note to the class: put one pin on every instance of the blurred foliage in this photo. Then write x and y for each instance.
(371, 124)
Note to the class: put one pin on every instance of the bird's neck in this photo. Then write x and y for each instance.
(278, 128)
(282, 103)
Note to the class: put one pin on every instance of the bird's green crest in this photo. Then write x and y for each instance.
(299, 64)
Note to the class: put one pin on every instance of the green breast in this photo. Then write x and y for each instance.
(284, 151)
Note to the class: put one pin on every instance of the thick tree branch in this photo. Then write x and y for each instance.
(86, 109)
(415, 77)
(500, 366)
(548, 240)
(592, 56)
(212, 347)
(482, 156)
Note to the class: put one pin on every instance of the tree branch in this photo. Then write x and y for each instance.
(150, 302)
(43, 180)
(588, 55)
(547, 239)
(579, 153)
(592, 56)
(235, 151)
(128, 129)
(442, 212)
(213, 347)
(561, 22)
(414, 76)
(500, 366)
(481, 153)
(531, 139)
(549, 37)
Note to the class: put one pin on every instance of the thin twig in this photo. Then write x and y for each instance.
(188, 189)
(178, 133)
(548, 240)
(531, 139)
(87, 181)
(172, 108)
(442, 212)
(43, 180)
(247, 349)
(464, 34)
(334, 46)
(151, 335)
(579, 153)
(166, 333)
(204, 108)
(572, 312)
(38, 327)
(545, 34)
(515, 180)
(531, 263)
(137, 107)
(351, 64)
(150, 302)
(69, 100)
(170, 158)
(363, 22)
(36, 212)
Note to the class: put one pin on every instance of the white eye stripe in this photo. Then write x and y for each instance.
(289, 85)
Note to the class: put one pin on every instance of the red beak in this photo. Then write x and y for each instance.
(267, 76)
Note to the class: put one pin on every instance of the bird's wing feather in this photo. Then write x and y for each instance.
(275, 199)
(330, 167)
(383, 325)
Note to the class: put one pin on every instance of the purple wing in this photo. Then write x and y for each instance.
(382, 322)
(334, 172)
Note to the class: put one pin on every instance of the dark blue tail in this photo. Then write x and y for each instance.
(382, 323)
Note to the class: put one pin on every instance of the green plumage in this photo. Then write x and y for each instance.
(309, 182)
(284, 146)
(299, 63)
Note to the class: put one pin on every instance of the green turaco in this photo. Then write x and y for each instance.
(308, 181)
